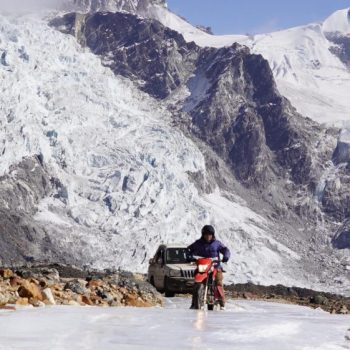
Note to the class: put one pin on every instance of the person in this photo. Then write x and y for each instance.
(209, 247)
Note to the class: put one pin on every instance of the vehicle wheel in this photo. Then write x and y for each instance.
(167, 293)
(198, 296)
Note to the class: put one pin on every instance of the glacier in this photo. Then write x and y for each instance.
(123, 165)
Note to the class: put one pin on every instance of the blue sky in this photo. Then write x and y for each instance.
(254, 16)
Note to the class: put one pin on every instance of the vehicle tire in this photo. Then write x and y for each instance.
(167, 292)
(198, 296)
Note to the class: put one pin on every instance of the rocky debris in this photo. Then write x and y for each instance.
(332, 303)
(50, 275)
(36, 287)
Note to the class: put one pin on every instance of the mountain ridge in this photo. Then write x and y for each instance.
(210, 139)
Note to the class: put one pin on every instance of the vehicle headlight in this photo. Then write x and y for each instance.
(174, 273)
(202, 268)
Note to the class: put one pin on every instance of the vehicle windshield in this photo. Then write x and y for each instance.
(177, 256)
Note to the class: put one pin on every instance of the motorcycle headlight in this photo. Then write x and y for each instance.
(174, 273)
(202, 268)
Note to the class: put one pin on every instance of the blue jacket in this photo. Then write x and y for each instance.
(209, 249)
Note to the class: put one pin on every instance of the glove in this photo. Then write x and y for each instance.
(225, 260)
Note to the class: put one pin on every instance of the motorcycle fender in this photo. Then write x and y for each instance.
(200, 277)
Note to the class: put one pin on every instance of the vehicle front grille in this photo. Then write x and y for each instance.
(187, 273)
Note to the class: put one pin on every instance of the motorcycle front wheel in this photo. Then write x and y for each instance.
(198, 296)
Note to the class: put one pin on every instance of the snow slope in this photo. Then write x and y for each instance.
(338, 22)
(121, 162)
(245, 326)
(314, 79)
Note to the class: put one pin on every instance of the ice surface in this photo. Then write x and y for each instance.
(245, 325)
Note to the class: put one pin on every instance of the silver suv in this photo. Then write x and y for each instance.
(169, 270)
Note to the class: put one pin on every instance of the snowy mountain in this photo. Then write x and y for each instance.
(118, 133)
(303, 59)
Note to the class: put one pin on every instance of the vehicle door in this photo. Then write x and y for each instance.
(152, 267)
(159, 269)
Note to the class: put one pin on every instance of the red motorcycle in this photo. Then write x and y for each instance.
(206, 293)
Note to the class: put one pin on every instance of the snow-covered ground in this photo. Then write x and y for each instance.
(244, 325)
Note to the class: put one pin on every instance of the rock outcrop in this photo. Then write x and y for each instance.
(20, 192)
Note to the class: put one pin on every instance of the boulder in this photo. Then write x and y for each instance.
(92, 284)
(344, 310)
(22, 301)
(30, 290)
(3, 299)
(15, 281)
(49, 298)
(77, 286)
(86, 300)
(6, 273)
(136, 301)
(319, 299)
